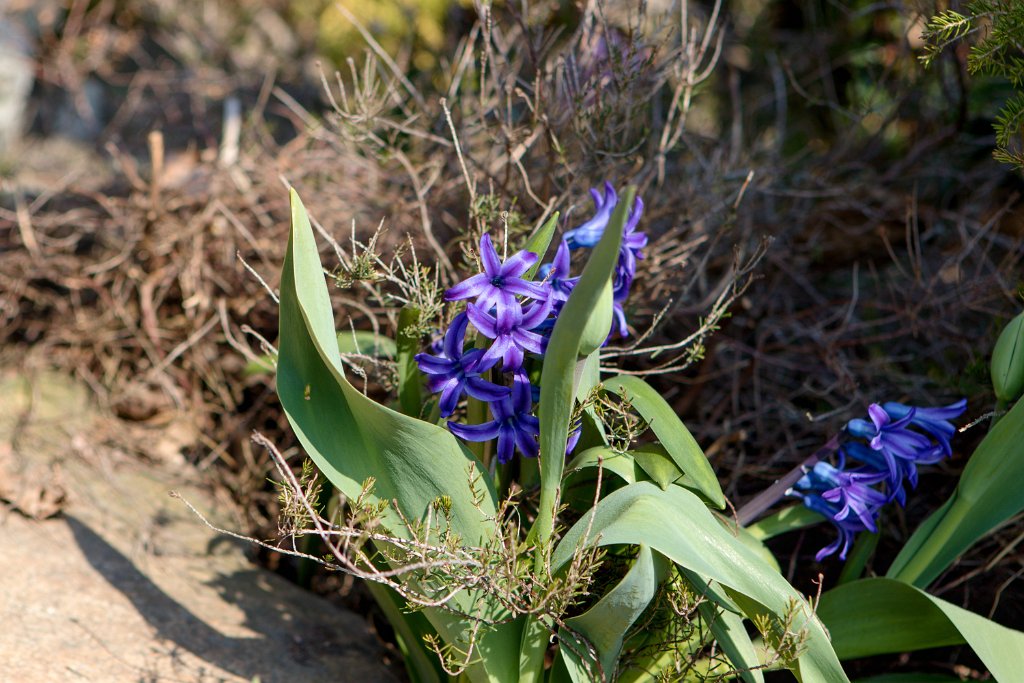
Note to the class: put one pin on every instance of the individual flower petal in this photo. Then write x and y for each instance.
(483, 390)
(489, 256)
(480, 432)
(589, 234)
(934, 421)
(473, 286)
(451, 373)
(517, 264)
(499, 284)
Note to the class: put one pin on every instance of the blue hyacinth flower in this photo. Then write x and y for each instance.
(500, 283)
(511, 329)
(848, 527)
(890, 456)
(453, 372)
(935, 421)
(512, 426)
(589, 234)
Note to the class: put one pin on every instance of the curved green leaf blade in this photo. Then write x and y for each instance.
(784, 521)
(538, 243)
(987, 495)
(878, 616)
(672, 434)
(562, 367)
(605, 624)
(619, 464)
(731, 635)
(410, 398)
(678, 525)
(1007, 366)
(562, 358)
(910, 678)
(655, 461)
(352, 439)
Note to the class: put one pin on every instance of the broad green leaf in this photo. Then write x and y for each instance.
(353, 439)
(784, 521)
(561, 360)
(556, 407)
(1008, 361)
(678, 525)
(910, 678)
(538, 243)
(750, 540)
(605, 625)
(731, 636)
(672, 434)
(619, 464)
(410, 381)
(599, 322)
(366, 343)
(879, 616)
(654, 460)
(587, 375)
(987, 495)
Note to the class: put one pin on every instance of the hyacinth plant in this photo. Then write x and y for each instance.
(528, 518)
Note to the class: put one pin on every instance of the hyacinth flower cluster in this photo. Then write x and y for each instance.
(515, 315)
(876, 459)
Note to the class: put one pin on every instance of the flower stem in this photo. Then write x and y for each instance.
(760, 503)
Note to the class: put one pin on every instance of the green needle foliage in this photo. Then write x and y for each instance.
(999, 52)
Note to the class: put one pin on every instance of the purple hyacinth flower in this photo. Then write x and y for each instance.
(454, 372)
(632, 244)
(850, 491)
(510, 330)
(848, 527)
(589, 234)
(935, 421)
(500, 283)
(618, 321)
(895, 440)
(556, 274)
(512, 425)
(874, 461)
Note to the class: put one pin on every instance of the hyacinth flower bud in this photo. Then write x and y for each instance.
(1008, 361)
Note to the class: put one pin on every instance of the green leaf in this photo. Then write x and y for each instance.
(605, 624)
(784, 521)
(619, 464)
(599, 322)
(987, 495)
(352, 439)
(1008, 361)
(672, 434)
(366, 343)
(879, 616)
(654, 460)
(562, 359)
(731, 635)
(910, 678)
(410, 381)
(678, 525)
(538, 243)
(561, 371)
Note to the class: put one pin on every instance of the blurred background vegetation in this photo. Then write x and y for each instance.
(830, 226)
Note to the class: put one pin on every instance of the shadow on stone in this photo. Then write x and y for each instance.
(284, 631)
